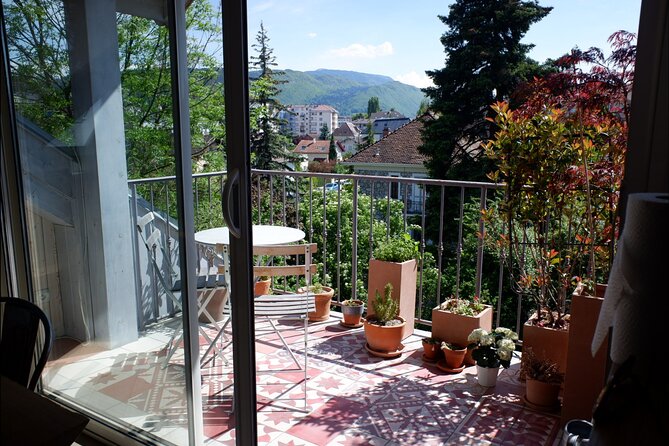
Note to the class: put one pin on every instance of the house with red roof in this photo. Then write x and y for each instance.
(396, 155)
(311, 150)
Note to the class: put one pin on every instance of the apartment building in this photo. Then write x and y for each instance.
(309, 119)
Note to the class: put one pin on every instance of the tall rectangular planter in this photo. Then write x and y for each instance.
(403, 278)
(547, 343)
(455, 328)
(586, 375)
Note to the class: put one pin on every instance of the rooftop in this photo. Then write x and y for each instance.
(399, 147)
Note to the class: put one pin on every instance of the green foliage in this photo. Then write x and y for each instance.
(336, 255)
(270, 149)
(332, 150)
(463, 307)
(397, 249)
(373, 105)
(325, 132)
(386, 308)
(484, 62)
(40, 61)
(423, 108)
(537, 157)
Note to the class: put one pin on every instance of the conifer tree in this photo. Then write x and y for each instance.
(332, 153)
(373, 105)
(485, 61)
(270, 148)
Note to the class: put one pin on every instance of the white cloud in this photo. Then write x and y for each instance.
(260, 7)
(420, 80)
(361, 51)
(311, 35)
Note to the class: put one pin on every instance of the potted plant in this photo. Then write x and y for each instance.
(383, 329)
(490, 350)
(537, 159)
(394, 262)
(431, 349)
(454, 319)
(352, 310)
(262, 286)
(543, 380)
(454, 357)
(323, 296)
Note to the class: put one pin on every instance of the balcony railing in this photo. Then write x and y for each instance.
(346, 220)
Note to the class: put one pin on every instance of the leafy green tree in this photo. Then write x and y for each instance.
(38, 46)
(373, 105)
(423, 107)
(270, 149)
(325, 132)
(358, 116)
(485, 61)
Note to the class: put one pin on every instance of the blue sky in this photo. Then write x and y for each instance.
(400, 38)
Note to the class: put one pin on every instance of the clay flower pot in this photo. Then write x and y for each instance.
(542, 394)
(454, 356)
(431, 348)
(352, 311)
(262, 287)
(323, 300)
(384, 338)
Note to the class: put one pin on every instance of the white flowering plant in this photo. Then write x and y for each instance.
(492, 348)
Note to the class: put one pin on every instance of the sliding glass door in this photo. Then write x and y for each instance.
(100, 96)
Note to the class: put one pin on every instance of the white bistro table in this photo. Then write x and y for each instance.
(262, 235)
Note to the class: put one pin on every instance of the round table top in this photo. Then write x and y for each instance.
(262, 235)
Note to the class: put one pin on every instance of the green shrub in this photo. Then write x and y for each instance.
(397, 249)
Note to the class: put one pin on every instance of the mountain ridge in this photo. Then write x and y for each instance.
(347, 91)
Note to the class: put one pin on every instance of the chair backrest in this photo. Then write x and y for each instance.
(22, 355)
(297, 261)
(151, 237)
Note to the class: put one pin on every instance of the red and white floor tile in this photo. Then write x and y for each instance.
(352, 398)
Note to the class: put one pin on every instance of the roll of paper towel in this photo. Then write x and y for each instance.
(637, 296)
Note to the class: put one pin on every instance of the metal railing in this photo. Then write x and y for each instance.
(349, 217)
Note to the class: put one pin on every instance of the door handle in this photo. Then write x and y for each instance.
(228, 201)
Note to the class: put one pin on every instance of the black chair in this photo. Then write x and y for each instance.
(20, 357)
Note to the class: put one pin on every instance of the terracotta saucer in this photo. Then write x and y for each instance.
(431, 360)
(441, 364)
(537, 407)
(394, 354)
(362, 322)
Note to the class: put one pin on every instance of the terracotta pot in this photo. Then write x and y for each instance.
(487, 376)
(455, 328)
(323, 301)
(454, 358)
(542, 394)
(430, 350)
(547, 343)
(353, 313)
(262, 287)
(384, 338)
(403, 278)
(214, 307)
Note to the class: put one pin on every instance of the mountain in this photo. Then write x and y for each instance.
(348, 91)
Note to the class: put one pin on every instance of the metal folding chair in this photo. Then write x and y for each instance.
(206, 284)
(277, 308)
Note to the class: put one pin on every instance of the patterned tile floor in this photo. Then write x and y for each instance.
(353, 398)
